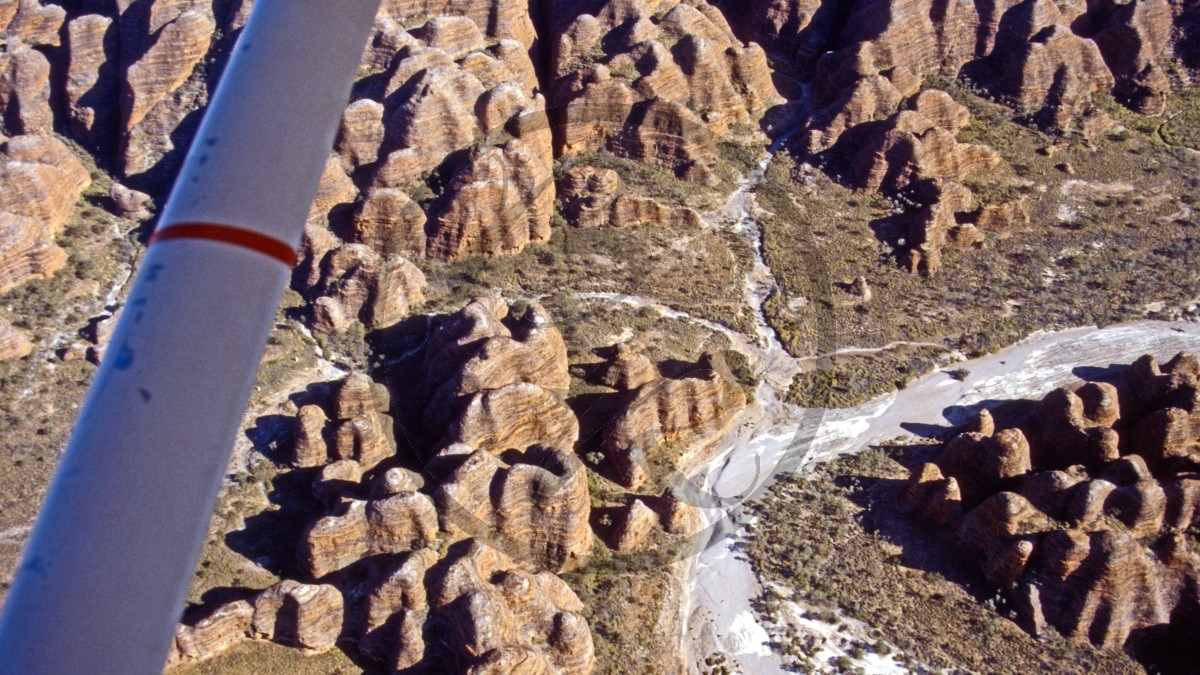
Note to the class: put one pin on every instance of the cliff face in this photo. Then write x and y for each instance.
(1086, 509)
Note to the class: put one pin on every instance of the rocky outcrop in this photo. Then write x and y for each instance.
(1135, 40)
(914, 156)
(918, 144)
(514, 416)
(360, 529)
(27, 27)
(1045, 58)
(13, 343)
(40, 181)
(1085, 520)
(628, 368)
(653, 82)
(666, 418)
(357, 284)
(310, 449)
(223, 628)
(459, 119)
(594, 197)
(494, 18)
(91, 88)
(163, 84)
(357, 427)
(1039, 65)
(496, 617)
(932, 495)
(495, 380)
(128, 203)
(499, 204)
(32, 21)
(645, 519)
(307, 617)
(26, 251)
(537, 501)
(396, 609)
(25, 91)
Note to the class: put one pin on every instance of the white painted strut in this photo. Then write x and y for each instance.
(107, 570)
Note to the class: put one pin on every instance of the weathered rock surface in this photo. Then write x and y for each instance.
(308, 617)
(308, 435)
(620, 87)
(129, 203)
(13, 343)
(32, 21)
(497, 617)
(91, 87)
(515, 416)
(495, 18)
(396, 609)
(40, 181)
(1091, 540)
(644, 517)
(462, 107)
(25, 91)
(668, 417)
(224, 627)
(596, 198)
(305, 616)
(25, 87)
(150, 109)
(354, 283)
(914, 155)
(360, 430)
(1042, 57)
(495, 380)
(537, 500)
(26, 251)
(358, 529)
(628, 368)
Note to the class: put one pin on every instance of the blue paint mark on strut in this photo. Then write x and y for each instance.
(139, 303)
(35, 565)
(124, 357)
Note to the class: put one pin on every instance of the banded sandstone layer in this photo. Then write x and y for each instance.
(570, 149)
(1086, 511)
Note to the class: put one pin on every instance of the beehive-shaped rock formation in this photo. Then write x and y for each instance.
(685, 412)
(1085, 508)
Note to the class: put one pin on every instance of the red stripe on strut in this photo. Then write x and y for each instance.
(226, 234)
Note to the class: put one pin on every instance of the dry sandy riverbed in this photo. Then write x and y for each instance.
(776, 438)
